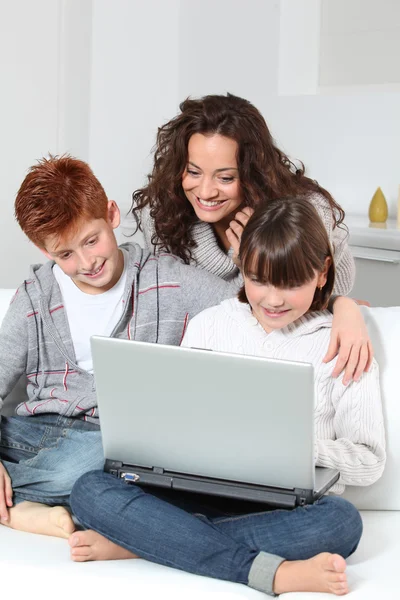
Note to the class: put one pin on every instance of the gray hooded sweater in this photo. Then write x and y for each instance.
(160, 296)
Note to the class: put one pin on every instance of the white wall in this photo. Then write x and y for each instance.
(134, 88)
(44, 75)
(228, 46)
(349, 141)
(360, 42)
(28, 115)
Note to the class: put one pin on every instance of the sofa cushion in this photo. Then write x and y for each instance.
(384, 328)
(19, 392)
(32, 560)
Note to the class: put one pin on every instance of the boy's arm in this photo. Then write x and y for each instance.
(201, 289)
(358, 451)
(13, 344)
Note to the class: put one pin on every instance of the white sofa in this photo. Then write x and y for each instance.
(39, 566)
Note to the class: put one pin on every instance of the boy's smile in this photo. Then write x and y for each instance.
(91, 256)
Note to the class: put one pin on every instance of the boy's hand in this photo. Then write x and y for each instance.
(5, 493)
(234, 233)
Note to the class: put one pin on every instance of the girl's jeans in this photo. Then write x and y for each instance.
(178, 530)
(45, 454)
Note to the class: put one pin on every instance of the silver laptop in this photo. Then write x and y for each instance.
(208, 422)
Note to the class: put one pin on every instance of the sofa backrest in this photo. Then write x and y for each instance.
(19, 392)
(384, 328)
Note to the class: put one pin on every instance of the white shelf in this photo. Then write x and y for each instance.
(373, 235)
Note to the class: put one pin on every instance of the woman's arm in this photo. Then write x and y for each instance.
(147, 226)
(349, 340)
(358, 450)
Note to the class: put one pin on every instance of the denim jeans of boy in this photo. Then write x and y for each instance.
(45, 454)
(175, 530)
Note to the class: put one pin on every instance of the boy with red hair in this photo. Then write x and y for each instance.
(89, 286)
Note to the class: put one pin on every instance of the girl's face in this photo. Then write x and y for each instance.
(211, 178)
(275, 308)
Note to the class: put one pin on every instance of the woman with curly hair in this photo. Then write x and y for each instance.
(213, 164)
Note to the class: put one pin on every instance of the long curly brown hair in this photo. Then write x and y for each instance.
(265, 172)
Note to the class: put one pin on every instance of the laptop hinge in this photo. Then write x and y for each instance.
(303, 497)
(112, 466)
(158, 470)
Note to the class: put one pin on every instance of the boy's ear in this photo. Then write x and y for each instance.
(323, 276)
(113, 214)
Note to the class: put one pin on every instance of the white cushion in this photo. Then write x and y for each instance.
(40, 563)
(19, 392)
(384, 328)
(372, 570)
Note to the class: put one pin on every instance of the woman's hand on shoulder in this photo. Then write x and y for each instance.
(235, 230)
(350, 341)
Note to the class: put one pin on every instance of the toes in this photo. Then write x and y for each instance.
(80, 558)
(339, 588)
(81, 554)
(335, 577)
(74, 540)
(338, 563)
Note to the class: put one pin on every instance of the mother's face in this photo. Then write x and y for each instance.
(211, 177)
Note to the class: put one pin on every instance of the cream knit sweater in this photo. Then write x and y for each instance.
(208, 255)
(348, 419)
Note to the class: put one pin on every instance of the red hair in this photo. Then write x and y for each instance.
(56, 195)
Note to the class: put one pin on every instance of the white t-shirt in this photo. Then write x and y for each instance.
(90, 314)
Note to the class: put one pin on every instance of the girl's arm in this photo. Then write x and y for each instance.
(358, 450)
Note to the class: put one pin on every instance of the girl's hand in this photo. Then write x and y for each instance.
(5, 493)
(234, 233)
(349, 340)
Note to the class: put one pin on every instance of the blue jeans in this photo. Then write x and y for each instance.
(45, 454)
(182, 531)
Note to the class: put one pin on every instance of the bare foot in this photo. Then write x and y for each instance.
(322, 573)
(39, 518)
(90, 545)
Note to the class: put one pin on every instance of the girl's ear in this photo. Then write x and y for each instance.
(323, 275)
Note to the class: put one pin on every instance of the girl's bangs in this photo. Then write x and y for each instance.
(282, 266)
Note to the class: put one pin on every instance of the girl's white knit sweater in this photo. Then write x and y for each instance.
(348, 419)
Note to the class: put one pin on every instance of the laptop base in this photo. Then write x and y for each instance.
(158, 477)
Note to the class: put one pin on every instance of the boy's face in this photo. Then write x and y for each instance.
(91, 256)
